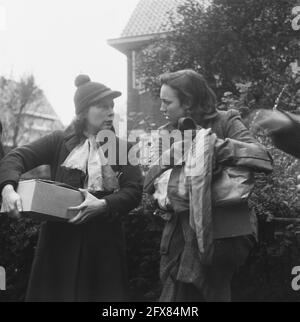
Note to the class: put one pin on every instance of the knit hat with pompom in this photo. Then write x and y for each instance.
(89, 93)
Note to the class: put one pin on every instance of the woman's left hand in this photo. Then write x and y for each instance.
(89, 209)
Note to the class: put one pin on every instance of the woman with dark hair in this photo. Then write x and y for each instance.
(84, 259)
(193, 93)
(187, 274)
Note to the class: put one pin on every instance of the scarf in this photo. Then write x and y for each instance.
(90, 159)
(188, 188)
(198, 171)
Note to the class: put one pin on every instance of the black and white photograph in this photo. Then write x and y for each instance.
(149, 153)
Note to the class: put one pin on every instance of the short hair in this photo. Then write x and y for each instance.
(192, 88)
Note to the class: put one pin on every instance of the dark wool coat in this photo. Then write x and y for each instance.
(84, 262)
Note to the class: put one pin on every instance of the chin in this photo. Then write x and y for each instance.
(173, 122)
(106, 127)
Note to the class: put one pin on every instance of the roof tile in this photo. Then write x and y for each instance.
(150, 17)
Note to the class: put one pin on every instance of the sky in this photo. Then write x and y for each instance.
(55, 40)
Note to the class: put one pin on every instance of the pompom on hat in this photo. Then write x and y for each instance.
(89, 93)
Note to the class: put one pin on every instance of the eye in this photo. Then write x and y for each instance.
(106, 105)
(166, 102)
(102, 106)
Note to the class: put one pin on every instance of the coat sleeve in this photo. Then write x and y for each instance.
(130, 194)
(287, 139)
(26, 158)
(234, 128)
(240, 148)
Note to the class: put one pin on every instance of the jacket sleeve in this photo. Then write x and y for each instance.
(287, 139)
(130, 194)
(240, 148)
(26, 158)
(234, 128)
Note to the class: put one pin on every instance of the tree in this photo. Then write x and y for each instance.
(21, 104)
(247, 51)
(15, 99)
(230, 42)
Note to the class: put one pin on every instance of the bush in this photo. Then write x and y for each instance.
(143, 234)
(17, 245)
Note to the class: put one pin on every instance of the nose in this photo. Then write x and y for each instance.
(111, 113)
(163, 108)
(111, 117)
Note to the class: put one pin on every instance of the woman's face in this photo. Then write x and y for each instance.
(171, 107)
(101, 116)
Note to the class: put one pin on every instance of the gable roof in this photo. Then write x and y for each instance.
(151, 17)
(41, 108)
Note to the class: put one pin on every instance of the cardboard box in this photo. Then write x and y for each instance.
(46, 200)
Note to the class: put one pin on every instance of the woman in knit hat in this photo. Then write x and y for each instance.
(84, 259)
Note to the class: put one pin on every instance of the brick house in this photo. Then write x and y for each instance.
(148, 21)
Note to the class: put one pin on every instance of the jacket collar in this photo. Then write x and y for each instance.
(71, 142)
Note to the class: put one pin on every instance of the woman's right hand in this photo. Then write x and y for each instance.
(11, 201)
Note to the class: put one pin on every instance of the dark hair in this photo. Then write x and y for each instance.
(192, 89)
(77, 127)
(80, 125)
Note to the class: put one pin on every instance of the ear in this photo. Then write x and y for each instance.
(187, 104)
(187, 109)
(84, 114)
